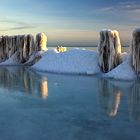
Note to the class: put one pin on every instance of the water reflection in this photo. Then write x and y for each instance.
(75, 90)
(109, 97)
(44, 89)
(24, 80)
(134, 101)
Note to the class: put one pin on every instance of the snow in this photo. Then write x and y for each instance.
(11, 61)
(23, 45)
(41, 42)
(124, 71)
(77, 61)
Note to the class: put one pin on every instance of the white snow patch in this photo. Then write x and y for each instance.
(77, 61)
(73, 61)
(124, 71)
(11, 61)
(82, 62)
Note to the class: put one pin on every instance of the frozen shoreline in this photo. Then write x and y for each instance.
(78, 61)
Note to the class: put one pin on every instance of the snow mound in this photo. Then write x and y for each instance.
(77, 61)
(73, 61)
(124, 71)
(11, 61)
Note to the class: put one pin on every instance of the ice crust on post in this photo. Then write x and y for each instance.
(22, 45)
(135, 50)
(109, 50)
(41, 42)
(21, 48)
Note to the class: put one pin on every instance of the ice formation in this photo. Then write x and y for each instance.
(41, 42)
(109, 49)
(75, 61)
(21, 47)
(61, 49)
(78, 61)
(9, 45)
(123, 71)
(135, 50)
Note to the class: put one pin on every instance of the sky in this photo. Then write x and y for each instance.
(70, 22)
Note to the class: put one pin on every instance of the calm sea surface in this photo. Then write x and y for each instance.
(44, 106)
(124, 49)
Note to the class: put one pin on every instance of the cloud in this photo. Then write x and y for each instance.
(16, 25)
(106, 9)
(129, 6)
(18, 28)
(123, 6)
(12, 21)
(123, 12)
(6, 20)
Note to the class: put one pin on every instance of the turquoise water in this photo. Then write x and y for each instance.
(44, 106)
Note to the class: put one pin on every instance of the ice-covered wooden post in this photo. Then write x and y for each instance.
(41, 42)
(109, 50)
(28, 46)
(135, 50)
(25, 45)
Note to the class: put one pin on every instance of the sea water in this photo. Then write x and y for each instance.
(45, 106)
(94, 48)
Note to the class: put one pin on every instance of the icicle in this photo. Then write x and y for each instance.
(41, 42)
(134, 101)
(109, 49)
(135, 50)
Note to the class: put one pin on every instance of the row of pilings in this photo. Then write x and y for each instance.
(109, 50)
(22, 46)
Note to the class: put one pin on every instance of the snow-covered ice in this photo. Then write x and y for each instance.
(123, 71)
(79, 61)
(75, 61)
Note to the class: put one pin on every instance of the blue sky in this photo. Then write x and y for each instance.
(70, 22)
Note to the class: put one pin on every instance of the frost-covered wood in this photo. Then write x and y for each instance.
(27, 47)
(41, 42)
(109, 49)
(135, 50)
(21, 45)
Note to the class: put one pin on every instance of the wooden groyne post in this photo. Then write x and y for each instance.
(135, 50)
(22, 46)
(109, 50)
